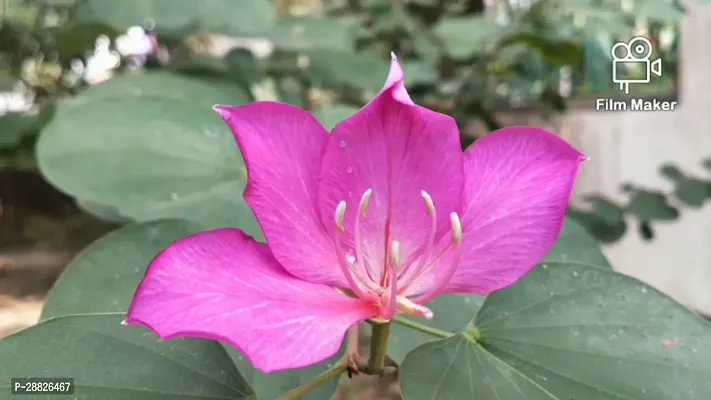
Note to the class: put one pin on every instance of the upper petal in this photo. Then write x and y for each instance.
(397, 149)
(283, 146)
(518, 184)
(223, 285)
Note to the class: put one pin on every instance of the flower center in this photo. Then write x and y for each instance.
(403, 283)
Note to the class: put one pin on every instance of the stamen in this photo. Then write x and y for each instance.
(444, 278)
(396, 255)
(355, 279)
(428, 202)
(364, 202)
(340, 215)
(407, 306)
(456, 228)
(412, 273)
(362, 211)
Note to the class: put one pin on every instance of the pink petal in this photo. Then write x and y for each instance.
(282, 146)
(518, 184)
(397, 149)
(223, 285)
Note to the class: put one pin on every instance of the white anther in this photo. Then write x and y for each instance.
(364, 202)
(456, 228)
(428, 202)
(395, 254)
(340, 215)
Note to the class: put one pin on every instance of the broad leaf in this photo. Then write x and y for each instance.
(173, 16)
(274, 385)
(151, 146)
(113, 362)
(329, 116)
(455, 313)
(464, 37)
(312, 33)
(104, 277)
(569, 331)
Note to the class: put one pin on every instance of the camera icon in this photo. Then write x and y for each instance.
(631, 57)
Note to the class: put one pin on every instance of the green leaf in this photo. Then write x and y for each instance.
(104, 276)
(13, 127)
(312, 33)
(173, 16)
(575, 245)
(329, 116)
(274, 385)
(101, 211)
(362, 71)
(463, 37)
(113, 362)
(569, 331)
(650, 206)
(155, 148)
(454, 313)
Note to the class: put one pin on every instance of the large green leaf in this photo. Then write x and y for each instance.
(274, 385)
(575, 245)
(312, 33)
(151, 146)
(221, 16)
(104, 277)
(464, 37)
(455, 313)
(330, 116)
(569, 331)
(113, 362)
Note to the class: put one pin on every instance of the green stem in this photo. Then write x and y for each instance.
(378, 348)
(319, 380)
(422, 328)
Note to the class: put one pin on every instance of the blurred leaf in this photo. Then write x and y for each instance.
(568, 331)
(650, 206)
(14, 126)
(556, 53)
(464, 37)
(155, 147)
(76, 41)
(113, 362)
(645, 230)
(361, 71)
(690, 191)
(418, 73)
(657, 10)
(605, 221)
(243, 17)
(312, 33)
(102, 211)
(329, 116)
(706, 164)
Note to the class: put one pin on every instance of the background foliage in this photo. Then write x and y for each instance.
(145, 149)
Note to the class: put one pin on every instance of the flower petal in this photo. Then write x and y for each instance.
(397, 149)
(518, 184)
(282, 147)
(223, 285)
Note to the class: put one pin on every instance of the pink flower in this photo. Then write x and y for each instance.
(374, 219)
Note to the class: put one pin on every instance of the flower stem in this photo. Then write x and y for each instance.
(378, 348)
(319, 380)
(422, 328)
